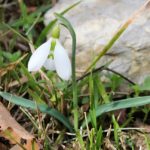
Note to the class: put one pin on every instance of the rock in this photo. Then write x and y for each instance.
(95, 22)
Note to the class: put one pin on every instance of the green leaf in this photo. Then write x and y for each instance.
(99, 138)
(32, 105)
(121, 104)
(23, 9)
(12, 57)
(116, 130)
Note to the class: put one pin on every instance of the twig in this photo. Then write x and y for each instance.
(93, 71)
(8, 5)
(101, 68)
(122, 76)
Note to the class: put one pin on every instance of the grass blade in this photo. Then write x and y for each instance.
(121, 104)
(32, 105)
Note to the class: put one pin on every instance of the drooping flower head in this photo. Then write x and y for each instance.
(52, 56)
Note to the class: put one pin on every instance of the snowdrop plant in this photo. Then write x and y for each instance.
(52, 56)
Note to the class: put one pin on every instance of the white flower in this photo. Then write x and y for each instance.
(60, 61)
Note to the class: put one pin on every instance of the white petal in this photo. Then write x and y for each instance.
(62, 62)
(39, 57)
(49, 64)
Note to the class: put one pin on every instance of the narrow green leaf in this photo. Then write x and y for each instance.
(99, 137)
(32, 105)
(116, 131)
(91, 91)
(45, 31)
(23, 9)
(81, 141)
(121, 104)
(93, 118)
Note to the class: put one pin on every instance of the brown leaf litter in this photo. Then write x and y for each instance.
(14, 132)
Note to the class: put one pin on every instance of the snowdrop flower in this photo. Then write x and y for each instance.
(52, 56)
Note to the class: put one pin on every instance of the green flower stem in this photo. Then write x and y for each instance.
(67, 24)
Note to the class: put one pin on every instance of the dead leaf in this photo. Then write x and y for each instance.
(14, 132)
(21, 81)
(139, 140)
(108, 145)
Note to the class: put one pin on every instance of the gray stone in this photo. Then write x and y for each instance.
(95, 22)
